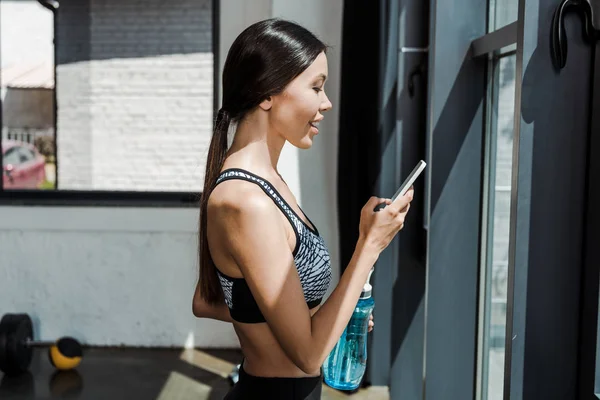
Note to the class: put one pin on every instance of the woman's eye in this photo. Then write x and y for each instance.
(317, 89)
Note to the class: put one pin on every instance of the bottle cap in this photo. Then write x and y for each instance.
(367, 288)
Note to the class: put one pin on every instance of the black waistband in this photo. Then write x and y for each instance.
(303, 388)
(281, 378)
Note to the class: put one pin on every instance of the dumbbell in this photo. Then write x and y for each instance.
(16, 346)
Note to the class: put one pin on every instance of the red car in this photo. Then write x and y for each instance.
(24, 167)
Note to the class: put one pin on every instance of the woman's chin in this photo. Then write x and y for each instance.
(305, 143)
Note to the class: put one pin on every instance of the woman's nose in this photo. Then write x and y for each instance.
(326, 105)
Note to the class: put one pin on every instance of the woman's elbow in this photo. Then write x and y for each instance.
(309, 364)
(309, 369)
(199, 308)
(196, 310)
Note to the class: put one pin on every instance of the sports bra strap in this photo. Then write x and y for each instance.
(266, 186)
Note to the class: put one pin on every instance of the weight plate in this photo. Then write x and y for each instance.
(3, 348)
(15, 353)
(22, 351)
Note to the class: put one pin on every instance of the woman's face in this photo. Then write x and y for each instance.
(296, 112)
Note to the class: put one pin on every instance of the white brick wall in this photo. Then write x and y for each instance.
(135, 94)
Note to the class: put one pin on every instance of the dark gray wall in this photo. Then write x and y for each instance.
(382, 137)
(455, 118)
(407, 286)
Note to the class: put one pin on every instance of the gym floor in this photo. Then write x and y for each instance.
(125, 374)
(140, 374)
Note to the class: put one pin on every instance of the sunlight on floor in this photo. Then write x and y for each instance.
(207, 362)
(180, 387)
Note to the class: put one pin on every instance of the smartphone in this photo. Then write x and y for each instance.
(408, 182)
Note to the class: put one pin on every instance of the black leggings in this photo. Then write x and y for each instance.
(256, 387)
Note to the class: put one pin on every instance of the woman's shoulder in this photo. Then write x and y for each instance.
(239, 198)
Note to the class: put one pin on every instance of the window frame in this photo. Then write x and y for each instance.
(110, 198)
(488, 216)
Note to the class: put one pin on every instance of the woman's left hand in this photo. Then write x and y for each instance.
(371, 323)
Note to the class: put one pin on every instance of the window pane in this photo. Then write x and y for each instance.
(503, 12)
(134, 92)
(500, 168)
(27, 92)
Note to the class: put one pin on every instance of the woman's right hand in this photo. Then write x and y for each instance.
(378, 228)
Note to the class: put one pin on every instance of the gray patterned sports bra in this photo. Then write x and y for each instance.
(310, 255)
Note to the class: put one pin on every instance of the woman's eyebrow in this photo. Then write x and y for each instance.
(322, 76)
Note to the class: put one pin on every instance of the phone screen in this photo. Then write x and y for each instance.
(408, 182)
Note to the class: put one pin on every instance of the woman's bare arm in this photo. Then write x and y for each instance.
(202, 309)
(257, 241)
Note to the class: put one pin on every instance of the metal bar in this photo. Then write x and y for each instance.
(38, 343)
(494, 41)
(516, 32)
(55, 44)
(485, 276)
(511, 50)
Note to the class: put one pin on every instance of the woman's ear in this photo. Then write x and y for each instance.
(266, 104)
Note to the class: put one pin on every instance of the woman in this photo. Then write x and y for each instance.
(263, 265)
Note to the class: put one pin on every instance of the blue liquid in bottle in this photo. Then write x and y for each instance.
(345, 366)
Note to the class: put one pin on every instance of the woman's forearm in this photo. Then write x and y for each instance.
(329, 322)
(202, 309)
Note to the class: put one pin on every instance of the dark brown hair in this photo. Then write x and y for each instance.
(261, 62)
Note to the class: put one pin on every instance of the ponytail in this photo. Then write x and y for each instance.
(210, 288)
